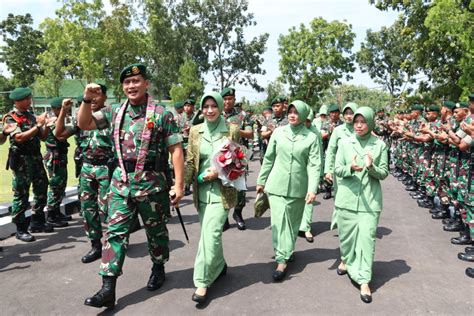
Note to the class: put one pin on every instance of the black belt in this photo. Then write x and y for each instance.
(96, 162)
(130, 166)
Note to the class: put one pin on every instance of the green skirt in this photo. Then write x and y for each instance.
(357, 233)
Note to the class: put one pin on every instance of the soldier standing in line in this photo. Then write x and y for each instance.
(187, 123)
(26, 163)
(240, 119)
(144, 135)
(55, 161)
(97, 166)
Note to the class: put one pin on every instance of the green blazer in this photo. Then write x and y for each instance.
(338, 133)
(291, 165)
(360, 191)
(196, 133)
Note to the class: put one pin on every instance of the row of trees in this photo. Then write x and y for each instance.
(430, 44)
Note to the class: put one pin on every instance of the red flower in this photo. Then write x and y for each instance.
(240, 154)
(222, 158)
(233, 175)
(150, 125)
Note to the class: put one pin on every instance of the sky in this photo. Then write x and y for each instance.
(272, 16)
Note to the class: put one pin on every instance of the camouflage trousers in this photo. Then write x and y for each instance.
(153, 210)
(57, 172)
(437, 183)
(28, 170)
(423, 168)
(94, 188)
(464, 189)
(452, 174)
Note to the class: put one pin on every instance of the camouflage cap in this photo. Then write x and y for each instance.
(19, 94)
(133, 70)
(56, 103)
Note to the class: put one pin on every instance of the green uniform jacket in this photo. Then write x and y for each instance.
(288, 162)
(340, 132)
(360, 191)
(229, 194)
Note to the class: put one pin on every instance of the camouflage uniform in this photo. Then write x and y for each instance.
(144, 192)
(26, 163)
(55, 160)
(270, 124)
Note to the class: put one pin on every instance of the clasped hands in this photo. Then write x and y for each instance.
(368, 161)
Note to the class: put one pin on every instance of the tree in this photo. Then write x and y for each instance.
(386, 56)
(314, 58)
(273, 90)
(122, 45)
(23, 45)
(361, 95)
(74, 45)
(218, 27)
(6, 86)
(189, 83)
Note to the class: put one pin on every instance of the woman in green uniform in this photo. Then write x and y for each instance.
(211, 198)
(361, 162)
(287, 175)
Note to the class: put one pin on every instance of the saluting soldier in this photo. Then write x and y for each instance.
(26, 163)
(144, 135)
(242, 120)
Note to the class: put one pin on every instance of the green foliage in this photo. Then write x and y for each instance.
(361, 95)
(273, 90)
(189, 83)
(6, 85)
(385, 55)
(314, 58)
(23, 45)
(218, 27)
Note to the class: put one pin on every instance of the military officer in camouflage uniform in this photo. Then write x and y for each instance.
(6, 130)
(26, 163)
(55, 161)
(144, 135)
(97, 164)
(334, 121)
(238, 118)
(186, 124)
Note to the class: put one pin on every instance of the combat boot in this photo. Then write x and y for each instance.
(106, 295)
(237, 216)
(470, 272)
(157, 277)
(54, 220)
(455, 226)
(95, 252)
(425, 202)
(328, 194)
(464, 237)
(39, 225)
(22, 231)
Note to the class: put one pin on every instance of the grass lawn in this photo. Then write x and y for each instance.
(6, 192)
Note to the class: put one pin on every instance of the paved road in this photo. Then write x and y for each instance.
(416, 269)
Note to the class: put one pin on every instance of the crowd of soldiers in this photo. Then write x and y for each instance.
(431, 150)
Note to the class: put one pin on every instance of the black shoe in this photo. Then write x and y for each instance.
(410, 188)
(64, 218)
(41, 228)
(440, 215)
(200, 299)
(469, 250)
(237, 216)
(24, 236)
(327, 195)
(461, 240)
(466, 256)
(470, 272)
(418, 196)
(425, 203)
(106, 295)
(95, 252)
(454, 227)
(226, 225)
(341, 271)
(279, 275)
(309, 239)
(157, 277)
(366, 298)
(447, 221)
(412, 194)
(56, 222)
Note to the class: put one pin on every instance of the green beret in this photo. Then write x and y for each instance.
(333, 108)
(471, 97)
(19, 94)
(179, 105)
(56, 103)
(277, 99)
(189, 101)
(462, 105)
(283, 98)
(417, 107)
(380, 110)
(267, 108)
(228, 91)
(133, 70)
(433, 108)
(449, 104)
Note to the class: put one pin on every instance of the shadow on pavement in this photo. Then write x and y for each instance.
(383, 231)
(140, 250)
(31, 252)
(385, 271)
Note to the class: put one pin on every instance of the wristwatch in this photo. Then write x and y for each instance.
(86, 100)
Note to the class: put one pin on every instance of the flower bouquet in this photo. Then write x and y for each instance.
(230, 161)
